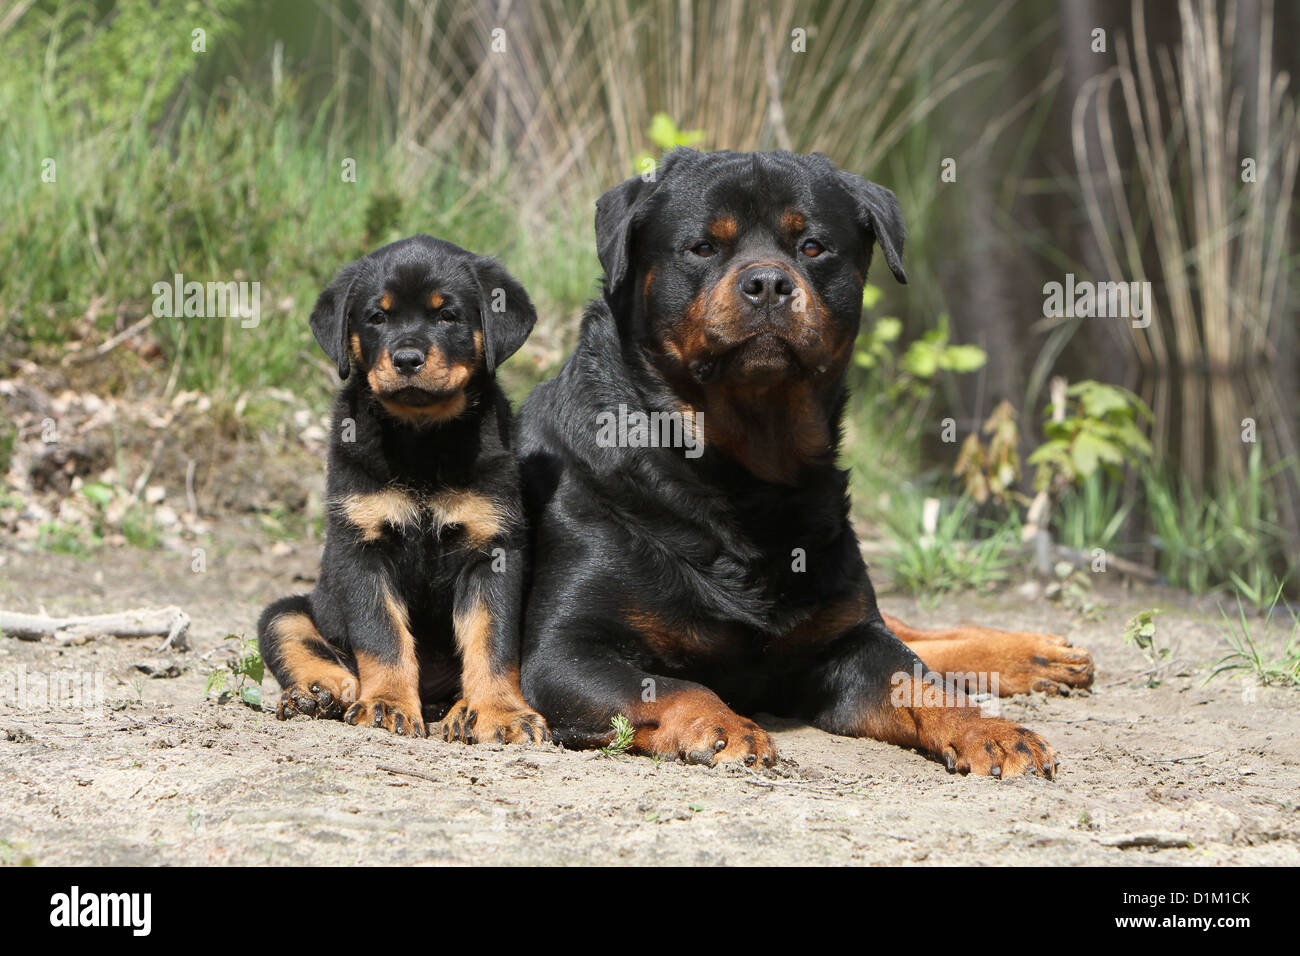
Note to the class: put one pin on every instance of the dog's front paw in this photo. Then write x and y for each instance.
(697, 727)
(994, 747)
(399, 717)
(475, 723)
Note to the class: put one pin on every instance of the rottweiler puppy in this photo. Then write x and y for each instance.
(418, 601)
(693, 559)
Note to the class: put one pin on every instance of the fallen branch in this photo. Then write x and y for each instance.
(135, 328)
(408, 773)
(1154, 839)
(142, 622)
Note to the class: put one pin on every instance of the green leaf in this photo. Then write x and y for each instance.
(887, 329)
(963, 358)
(252, 696)
(1088, 451)
(101, 494)
(920, 360)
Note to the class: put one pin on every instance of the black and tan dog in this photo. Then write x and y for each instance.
(683, 587)
(418, 601)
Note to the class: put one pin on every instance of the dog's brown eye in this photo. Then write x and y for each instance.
(812, 248)
(378, 318)
(703, 249)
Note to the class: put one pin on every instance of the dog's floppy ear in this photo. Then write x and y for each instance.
(505, 310)
(880, 214)
(329, 320)
(618, 212)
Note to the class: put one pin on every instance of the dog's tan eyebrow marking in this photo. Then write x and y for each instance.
(724, 228)
(436, 300)
(386, 301)
(793, 221)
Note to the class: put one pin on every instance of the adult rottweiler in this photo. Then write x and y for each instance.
(686, 586)
(420, 590)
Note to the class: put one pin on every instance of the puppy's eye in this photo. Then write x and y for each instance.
(703, 249)
(377, 318)
(812, 248)
(448, 315)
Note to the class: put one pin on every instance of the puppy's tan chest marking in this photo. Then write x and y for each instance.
(399, 510)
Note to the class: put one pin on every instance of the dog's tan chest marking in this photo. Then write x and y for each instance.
(481, 518)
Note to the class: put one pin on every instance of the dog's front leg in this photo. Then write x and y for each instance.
(379, 630)
(486, 616)
(867, 683)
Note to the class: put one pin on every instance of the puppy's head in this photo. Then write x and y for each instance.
(745, 270)
(422, 320)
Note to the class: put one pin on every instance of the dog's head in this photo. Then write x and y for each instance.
(744, 270)
(422, 320)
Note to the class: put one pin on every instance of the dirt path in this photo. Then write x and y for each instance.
(162, 775)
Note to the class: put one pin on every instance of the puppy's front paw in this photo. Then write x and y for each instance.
(399, 717)
(322, 699)
(474, 723)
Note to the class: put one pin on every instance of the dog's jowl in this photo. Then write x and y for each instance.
(416, 612)
(683, 591)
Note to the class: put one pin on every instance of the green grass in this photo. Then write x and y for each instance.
(964, 553)
(1226, 538)
(1270, 661)
(624, 734)
(243, 184)
(1092, 514)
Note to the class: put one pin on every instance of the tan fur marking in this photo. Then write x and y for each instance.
(792, 221)
(479, 683)
(399, 681)
(386, 301)
(370, 513)
(724, 229)
(824, 625)
(295, 635)
(436, 300)
(480, 516)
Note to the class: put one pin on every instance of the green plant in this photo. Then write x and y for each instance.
(244, 671)
(1072, 589)
(666, 135)
(1206, 540)
(1092, 513)
(622, 740)
(959, 552)
(1097, 430)
(992, 471)
(1266, 660)
(1140, 632)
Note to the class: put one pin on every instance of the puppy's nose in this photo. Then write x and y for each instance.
(766, 286)
(408, 361)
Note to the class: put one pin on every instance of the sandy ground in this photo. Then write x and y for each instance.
(162, 775)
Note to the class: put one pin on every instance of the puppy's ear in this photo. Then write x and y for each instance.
(879, 214)
(329, 320)
(505, 310)
(619, 211)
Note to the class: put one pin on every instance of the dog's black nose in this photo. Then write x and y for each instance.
(408, 361)
(766, 286)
